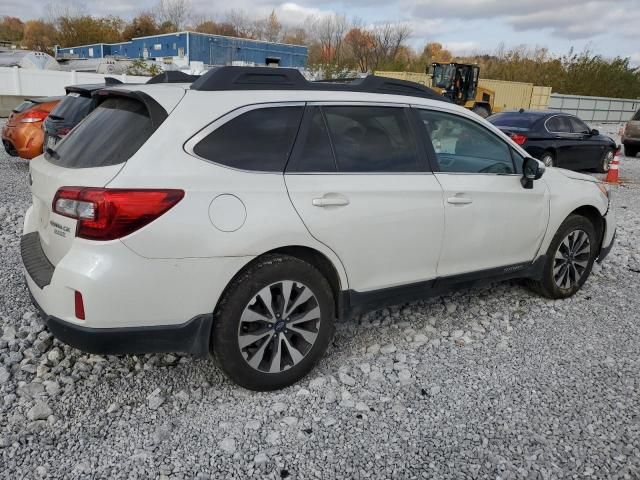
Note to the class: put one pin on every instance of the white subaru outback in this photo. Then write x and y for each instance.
(241, 215)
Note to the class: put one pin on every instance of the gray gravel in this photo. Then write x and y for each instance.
(488, 383)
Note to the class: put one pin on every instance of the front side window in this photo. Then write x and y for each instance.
(578, 125)
(258, 140)
(559, 124)
(372, 139)
(463, 146)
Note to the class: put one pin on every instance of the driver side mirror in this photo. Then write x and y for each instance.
(532, 169)
(594, 132)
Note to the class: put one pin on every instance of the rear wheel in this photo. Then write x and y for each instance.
(274, 323)
(630, 151)
(605, 162)
(548, 159)
(569, 260)
(480, 110)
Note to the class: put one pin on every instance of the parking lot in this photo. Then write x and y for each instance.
(487, 383)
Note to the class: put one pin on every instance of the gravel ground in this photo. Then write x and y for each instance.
(488, 383)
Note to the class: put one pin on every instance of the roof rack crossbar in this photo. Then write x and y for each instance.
(273, 78)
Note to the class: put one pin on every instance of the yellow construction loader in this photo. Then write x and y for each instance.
(459, 83)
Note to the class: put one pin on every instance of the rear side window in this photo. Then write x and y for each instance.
(372, 139)
(559, 124)
(314, 153)
(72, 108)
(258, 140)
(110, 135)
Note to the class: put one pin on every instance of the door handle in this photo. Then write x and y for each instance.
(459, 200)
(330, 201)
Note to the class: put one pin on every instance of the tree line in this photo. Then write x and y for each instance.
(338, 46)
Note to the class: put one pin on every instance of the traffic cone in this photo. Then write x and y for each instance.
(612, 174)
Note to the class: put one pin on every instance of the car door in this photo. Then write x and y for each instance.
(563, 141)
(491, 221)
(361, 187)
(589, 148)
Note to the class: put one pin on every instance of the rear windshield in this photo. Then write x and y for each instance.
(516, 120)
(110, 135)
(23, 106)
(72, 108)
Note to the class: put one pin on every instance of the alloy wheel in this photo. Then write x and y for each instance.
(571, 259)
(606, 161)
(279, 326)
(547, 160)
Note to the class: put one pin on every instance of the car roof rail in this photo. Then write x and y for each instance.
(276, 78)
(173, 76)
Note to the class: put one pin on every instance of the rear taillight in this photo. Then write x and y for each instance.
(33, 116)
(518, 138)
(110, 213)
(63, 131)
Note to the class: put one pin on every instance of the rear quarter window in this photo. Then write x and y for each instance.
(110, 135)
(257, 140)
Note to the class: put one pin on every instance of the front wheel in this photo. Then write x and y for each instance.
(274, 323)
(605, 162)
(569, 260)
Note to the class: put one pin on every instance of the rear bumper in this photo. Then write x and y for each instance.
(132, 304)
(634, 142)
(26, 139)
(190, 337)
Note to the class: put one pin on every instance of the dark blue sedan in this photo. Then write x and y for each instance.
(558, 139)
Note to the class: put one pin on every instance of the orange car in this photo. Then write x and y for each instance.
(22, 135)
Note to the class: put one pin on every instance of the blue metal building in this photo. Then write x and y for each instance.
(183, 47)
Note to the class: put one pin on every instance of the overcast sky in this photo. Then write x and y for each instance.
(608, 27)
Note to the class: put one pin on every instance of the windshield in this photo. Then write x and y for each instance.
(110, 135)
(443, 75)
(72, 108)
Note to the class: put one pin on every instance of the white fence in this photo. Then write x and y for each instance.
(43, 83)
(595, 109)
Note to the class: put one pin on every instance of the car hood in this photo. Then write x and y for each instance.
(576, 176)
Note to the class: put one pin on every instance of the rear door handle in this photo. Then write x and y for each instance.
(459, 200)
(330, 201)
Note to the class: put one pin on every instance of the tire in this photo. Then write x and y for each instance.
(235, 342)
(552, 284)
(605, 161)
(548, 159)
(480, 110)
(630, 151)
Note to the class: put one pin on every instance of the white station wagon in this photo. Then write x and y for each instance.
(241, 215)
